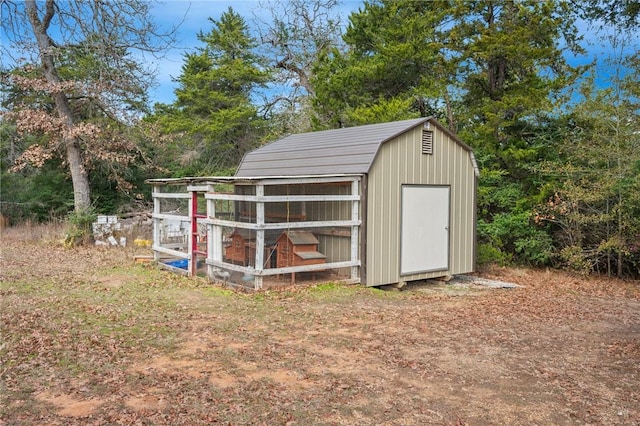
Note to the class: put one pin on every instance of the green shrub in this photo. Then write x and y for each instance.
(513, 237)
(79, 227)
(489, 254)
(576, 259)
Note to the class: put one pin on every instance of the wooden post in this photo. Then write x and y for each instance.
(194, 249)
(214, 235)
(192, 243)
(156, 223)
(259, 257)
(355, 185)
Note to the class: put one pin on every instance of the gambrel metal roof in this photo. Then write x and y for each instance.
(346, 150)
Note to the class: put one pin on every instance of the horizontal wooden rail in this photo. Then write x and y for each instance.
(280, 271)
(171, 217)
(171, 195)
(279, 198)
(282, 225)
(171, 252)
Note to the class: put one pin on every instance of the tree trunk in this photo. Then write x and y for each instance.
(620, 226)
(79, 175)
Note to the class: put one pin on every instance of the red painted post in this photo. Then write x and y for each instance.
(193, 264)
(195, 251)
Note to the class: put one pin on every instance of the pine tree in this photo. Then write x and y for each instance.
(213, 119)
(493, 70)
(392, 69)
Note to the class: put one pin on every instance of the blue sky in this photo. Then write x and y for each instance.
(196, 16)
(192, 16)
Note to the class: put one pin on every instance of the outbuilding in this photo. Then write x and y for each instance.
(377, 204)
(417, 192)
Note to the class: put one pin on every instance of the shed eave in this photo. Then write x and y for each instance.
(449, 133)
(246, 179)
(382, 142)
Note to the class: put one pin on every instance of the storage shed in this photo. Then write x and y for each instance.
(417, 205)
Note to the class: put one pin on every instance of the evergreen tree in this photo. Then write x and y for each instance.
(393, 68)
(493, 70)
(512, 76)
(213, 120)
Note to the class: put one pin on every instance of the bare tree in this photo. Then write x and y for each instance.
(299, 33)
(87, 59)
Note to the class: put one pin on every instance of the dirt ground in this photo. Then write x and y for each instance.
(89, 337)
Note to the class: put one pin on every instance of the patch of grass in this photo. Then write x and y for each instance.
(43, 233)
(214, 291)
(66, 329)
(330, 286)
(332, 291)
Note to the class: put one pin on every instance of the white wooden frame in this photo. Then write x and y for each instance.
(158, 216)
(215, 225)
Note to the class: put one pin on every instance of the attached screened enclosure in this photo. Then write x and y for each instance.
(258, 232)
(379, 204)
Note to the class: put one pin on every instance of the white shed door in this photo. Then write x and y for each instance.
(425, 229)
